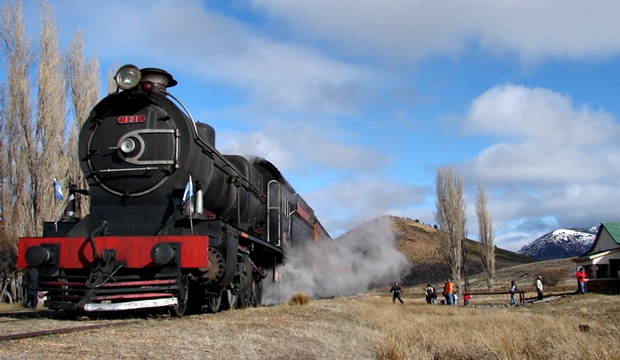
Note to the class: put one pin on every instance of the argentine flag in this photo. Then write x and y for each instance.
(58, 191)
(189, 190)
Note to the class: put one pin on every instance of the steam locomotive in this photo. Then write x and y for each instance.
(173, 223)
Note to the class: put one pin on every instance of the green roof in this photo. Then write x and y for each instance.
(613, 228)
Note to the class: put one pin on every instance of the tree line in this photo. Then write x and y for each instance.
(45, 95)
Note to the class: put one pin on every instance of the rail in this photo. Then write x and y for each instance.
(25, 315)
(62, 330)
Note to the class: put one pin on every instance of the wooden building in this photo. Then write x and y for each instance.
(602, 262)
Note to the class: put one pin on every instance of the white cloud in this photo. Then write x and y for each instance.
(297, 146)
(351, 202)
(556, 160)
(540, 114)
(543, 137)
(194, 41)
(410, 30)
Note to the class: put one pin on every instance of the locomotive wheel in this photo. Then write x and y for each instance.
(214, 301)
(183, 295)
(245, 298)
(244, 271)
(230, 300)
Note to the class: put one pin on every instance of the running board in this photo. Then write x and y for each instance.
(133, 305)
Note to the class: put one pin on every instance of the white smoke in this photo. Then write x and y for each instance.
(345, 266)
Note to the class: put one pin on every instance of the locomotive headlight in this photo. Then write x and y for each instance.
(162, 254)
(37, 256)
(127, 77)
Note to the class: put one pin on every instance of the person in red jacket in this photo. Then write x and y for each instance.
(466, 299)
(581, 280)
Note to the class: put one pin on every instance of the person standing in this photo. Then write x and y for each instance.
(513, 290)
(30, 282)
(448, 289)
(581, 280)
(434, 295)
(539, 287)
(466, 299)
(429, 294)
(396, 290)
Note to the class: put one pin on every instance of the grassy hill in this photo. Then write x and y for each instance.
(420, 243)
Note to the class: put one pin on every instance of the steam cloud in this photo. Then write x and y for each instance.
(346, 266)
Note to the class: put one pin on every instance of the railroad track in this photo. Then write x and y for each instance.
(26, 314)
(9, 317)
(30, 334)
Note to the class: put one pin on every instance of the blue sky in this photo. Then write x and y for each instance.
(359, 102)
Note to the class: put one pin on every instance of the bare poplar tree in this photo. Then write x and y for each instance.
(19, 128)
(465, 266)
(450, 216)
(33, 133)
(51, 118)
(5, 195)
(8, 250)
(485, 230)
(83, 84)
(110, 77)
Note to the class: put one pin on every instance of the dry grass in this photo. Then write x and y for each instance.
(363, 327)
(541, 331)
(299, 298)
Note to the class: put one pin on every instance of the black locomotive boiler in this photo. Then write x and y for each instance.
(173, 223)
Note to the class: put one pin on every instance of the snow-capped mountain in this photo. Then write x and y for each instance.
(561, 243)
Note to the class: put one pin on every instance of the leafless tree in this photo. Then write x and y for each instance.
(485, 230)
(34, 127)
(110, 77)
(450, 216)
(50, 120)
(83, 84)
(19, 127)
(465, 266)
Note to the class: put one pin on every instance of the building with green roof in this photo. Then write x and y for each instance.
(602, 262)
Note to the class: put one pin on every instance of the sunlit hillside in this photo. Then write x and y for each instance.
(420, 243)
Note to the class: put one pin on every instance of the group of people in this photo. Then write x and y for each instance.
(450, 293)
(431, 294)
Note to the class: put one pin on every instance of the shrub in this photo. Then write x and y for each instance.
(551, 277)
(299, 298)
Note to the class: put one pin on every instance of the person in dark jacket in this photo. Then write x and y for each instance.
(429, 294)
(30, 283)
(396, 290)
